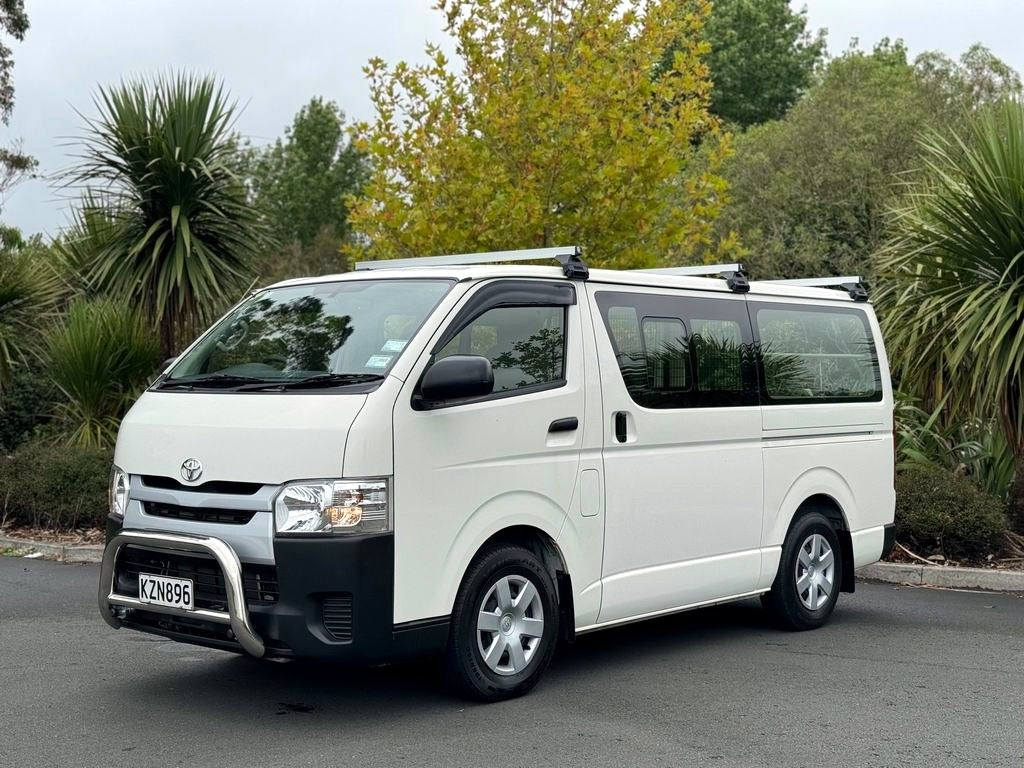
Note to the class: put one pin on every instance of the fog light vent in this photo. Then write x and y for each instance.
(337, 615)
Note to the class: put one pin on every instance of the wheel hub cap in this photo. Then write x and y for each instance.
(510, 625)
(815, 572)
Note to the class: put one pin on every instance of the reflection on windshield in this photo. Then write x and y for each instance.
(334, 333)
(296, 334)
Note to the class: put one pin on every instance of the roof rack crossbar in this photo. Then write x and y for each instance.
(568, 256)
(852, 284)
(735, 275)
(701, 269)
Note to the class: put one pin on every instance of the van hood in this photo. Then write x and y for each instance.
(267, 438)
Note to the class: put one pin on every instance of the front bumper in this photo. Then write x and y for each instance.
(332, 597)
(237, 615)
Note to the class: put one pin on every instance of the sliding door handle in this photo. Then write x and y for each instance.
(570, 424)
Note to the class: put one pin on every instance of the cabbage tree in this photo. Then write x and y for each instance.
(953, 278)
(159, 158)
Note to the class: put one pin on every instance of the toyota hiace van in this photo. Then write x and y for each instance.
(471, 457)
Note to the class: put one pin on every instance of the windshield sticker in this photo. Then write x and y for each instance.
(378, 361)
(394, 345)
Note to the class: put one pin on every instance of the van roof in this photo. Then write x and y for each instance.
(604, 276)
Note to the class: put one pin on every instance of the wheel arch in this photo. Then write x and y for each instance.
(544, 546)
(831, 509)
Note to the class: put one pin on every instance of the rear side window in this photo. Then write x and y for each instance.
(816, 354)
(681, 352)
(526, 345)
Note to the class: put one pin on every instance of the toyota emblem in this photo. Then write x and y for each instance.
(191, 469)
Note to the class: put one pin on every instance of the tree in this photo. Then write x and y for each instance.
(952, 298)
(811, 193)
(301, 185)
(552, 131)
(29, 290)
(762, 59)
(159, 159)
(15, 166)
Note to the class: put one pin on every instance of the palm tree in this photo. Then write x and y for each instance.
(953, 279)
(159, 159)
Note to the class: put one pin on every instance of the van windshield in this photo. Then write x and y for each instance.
(309, 336)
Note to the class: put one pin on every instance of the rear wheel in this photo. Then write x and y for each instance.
(504, 625)
(806, 587)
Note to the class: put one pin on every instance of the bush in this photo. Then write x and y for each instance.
(44, 485)
(938, 512)
(100, 358)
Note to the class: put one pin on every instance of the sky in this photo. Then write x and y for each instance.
(274, 56)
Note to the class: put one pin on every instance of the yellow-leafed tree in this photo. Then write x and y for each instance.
(557, 126)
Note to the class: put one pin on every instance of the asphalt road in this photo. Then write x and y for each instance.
(901, 676)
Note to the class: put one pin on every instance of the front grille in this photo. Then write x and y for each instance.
(178, 512)
(337, 616)
(211, 486)
(260, 581)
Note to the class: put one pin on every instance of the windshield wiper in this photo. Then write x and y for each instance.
(212, 381)
(319, 380)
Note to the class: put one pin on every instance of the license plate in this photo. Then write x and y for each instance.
(164, 590)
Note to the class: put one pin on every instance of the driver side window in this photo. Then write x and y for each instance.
(526, 345)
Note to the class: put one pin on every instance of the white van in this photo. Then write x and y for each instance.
(428, 455)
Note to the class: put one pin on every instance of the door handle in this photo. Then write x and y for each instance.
(620, 426)
(569, 424)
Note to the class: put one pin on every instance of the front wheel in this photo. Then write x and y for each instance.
(806, 587)
(504, 625)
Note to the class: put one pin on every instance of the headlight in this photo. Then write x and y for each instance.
(119, 488)
(333, 506)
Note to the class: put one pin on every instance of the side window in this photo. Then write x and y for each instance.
(526, 345)
(816, 354)
(718, 349)
(681, 352)
(667, 357)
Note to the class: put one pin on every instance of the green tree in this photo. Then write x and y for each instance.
(15, 166)
(29, 291)
(551, 131)
(159, 160)
(953, 289)
(762, 59)
(811, 192)
(301, 185)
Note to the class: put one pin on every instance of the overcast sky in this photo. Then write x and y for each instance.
(273, 56)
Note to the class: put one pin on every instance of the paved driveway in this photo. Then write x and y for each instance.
(901, 676)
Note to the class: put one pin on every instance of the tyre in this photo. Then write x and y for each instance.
(504, 625)
(806, 587)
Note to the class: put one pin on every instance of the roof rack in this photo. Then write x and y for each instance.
(570, 257)
(852, 284)
(735, 275)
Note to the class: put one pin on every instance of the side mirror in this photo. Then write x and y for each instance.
(456, 377)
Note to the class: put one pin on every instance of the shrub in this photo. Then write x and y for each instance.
(25, 404)
(938, 512)
(45, 485)
(100, 358)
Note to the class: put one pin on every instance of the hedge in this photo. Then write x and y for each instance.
(44, 485)
(939, 513)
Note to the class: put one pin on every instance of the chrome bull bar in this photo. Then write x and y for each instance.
(237, 616)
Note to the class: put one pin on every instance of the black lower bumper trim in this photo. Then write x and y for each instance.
(335, 602)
